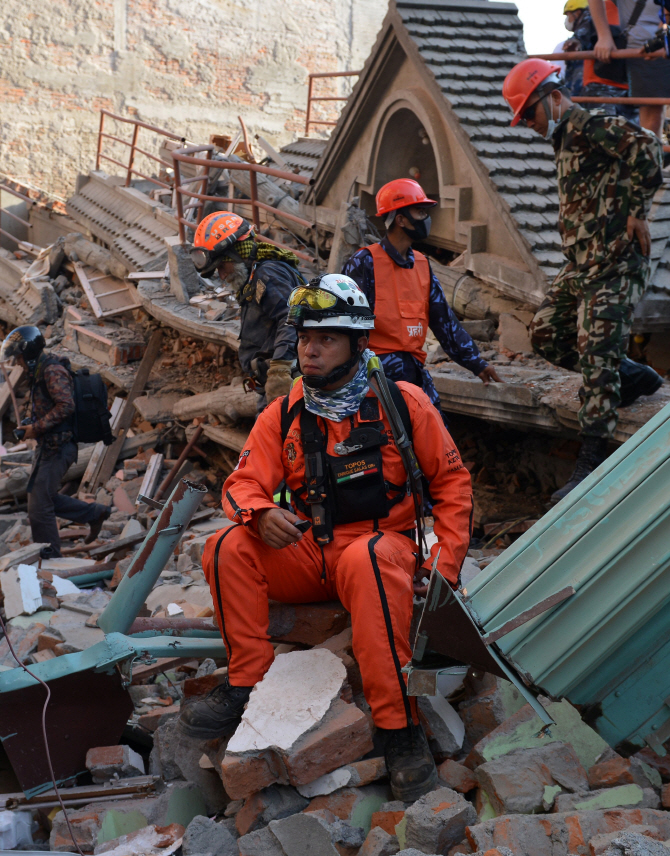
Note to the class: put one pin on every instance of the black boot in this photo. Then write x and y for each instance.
(217, 714)
(409, 762)
(637, 380)
(96, 525)
(592, 453)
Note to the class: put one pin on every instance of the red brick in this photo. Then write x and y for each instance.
(366, 772)
(343, 736)
(610, 773)
(152, 720)
(247, 816)
(456, 776)
(387, 820)
(243, 776)
(665, 796)
(103, 756)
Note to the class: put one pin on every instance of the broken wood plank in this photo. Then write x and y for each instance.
(231, 401)
(128, 412)
(152, 475)
(98, 452)
(113, 546)
(7, 388)
(231, 438)
(101, 288)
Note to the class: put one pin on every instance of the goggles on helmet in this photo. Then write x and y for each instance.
(305, 301)
(201, 258)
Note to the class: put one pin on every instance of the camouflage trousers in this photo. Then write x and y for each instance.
(584, 325)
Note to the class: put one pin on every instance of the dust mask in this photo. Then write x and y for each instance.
(569, 25)
(552, 123)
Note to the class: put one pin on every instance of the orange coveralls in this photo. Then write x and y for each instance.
(368, 566)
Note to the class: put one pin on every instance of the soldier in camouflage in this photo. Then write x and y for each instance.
(608, 171)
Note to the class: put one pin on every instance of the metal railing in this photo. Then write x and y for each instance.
(313, 98)
(188, 155)
(131, 144)
(13, 216)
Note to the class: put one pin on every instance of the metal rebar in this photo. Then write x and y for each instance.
(177, 465)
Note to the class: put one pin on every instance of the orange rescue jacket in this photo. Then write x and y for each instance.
(265, 461)
(402, 302)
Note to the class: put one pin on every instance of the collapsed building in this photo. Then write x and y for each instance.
(108, 275)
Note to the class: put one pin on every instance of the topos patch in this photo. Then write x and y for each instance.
(241, 464)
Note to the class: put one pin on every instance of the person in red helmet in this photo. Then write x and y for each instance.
(406, 296)
(263, 276)
(608, 172)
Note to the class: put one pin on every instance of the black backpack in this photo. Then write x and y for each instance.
(91, 416)
(90, 422)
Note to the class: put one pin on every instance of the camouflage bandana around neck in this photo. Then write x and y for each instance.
(337, 404)
(263, 253)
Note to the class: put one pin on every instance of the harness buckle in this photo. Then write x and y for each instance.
(343, 449)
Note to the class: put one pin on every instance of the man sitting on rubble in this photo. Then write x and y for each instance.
(330, 442)
(406, 296)
(608, 171)
(50, 423)
(263, 277)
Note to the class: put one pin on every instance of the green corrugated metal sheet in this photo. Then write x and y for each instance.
(608, 645)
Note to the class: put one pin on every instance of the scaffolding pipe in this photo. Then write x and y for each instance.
(151, 557)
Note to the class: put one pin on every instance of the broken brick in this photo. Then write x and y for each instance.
(515, 783)
(106, 762)
(619, 771)
(273, 803)
(438, 821)
(387, 819)
(456, 776)
(205, 684)
(560, 834)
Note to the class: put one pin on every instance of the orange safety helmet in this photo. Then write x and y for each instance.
(523, 80)
(214, 238)
(401, 193)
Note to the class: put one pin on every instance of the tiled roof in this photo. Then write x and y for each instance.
(470, 47)
(304, 154)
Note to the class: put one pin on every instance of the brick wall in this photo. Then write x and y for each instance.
(190, 66)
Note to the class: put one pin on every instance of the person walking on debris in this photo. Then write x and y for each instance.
(263, 277)
(406, 296)
(339, 448)
(608, 171)
(51, 424)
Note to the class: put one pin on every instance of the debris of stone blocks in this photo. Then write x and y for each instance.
(623, 771)
(444, 728)
(520, 731)
(438, 821)
(302, 835)
(148, 841)
(626, 796)
(515, 783)
(389, 815)
(177, 756)
(108, 762)
(379, 843)
(356, 806)
(456, 776)
(273, 803)
(564, 834)
(205, 837)
(630, 843)
(489, 702)
(294, 738)
(354, 775)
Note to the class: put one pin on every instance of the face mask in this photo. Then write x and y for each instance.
(552, 124)
(569, 25)
(421, 228)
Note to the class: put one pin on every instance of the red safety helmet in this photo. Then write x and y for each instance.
(523, 80)
(401, 193)
(215, 236)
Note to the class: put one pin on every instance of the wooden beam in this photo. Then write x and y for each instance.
(128, 413)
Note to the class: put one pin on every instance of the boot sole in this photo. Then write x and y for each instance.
(206, 733)
(414, 792)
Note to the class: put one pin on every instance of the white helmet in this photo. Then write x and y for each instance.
(331, 300)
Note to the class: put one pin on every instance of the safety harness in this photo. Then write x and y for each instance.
(349, 487)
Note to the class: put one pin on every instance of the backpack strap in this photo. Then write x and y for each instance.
(401, 407)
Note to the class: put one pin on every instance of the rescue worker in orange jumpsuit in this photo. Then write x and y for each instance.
(406, 296)
(330, 442)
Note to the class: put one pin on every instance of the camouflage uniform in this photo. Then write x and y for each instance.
(608, 170)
